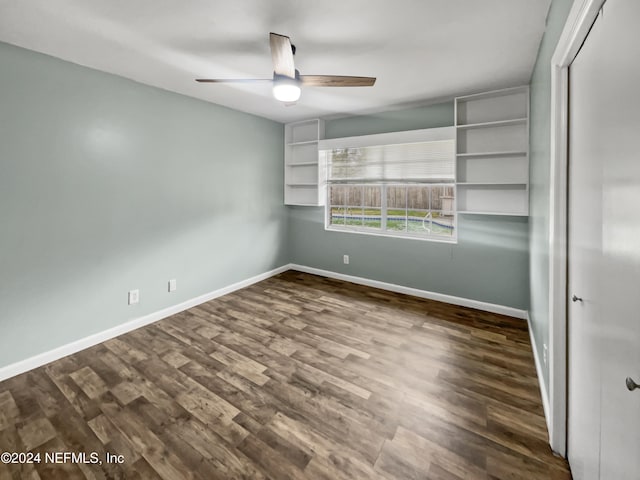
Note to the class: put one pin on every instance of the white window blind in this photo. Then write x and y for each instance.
(430, 161)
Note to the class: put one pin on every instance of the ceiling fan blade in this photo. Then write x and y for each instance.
(336, 81)
(282, 55)
(233, 80)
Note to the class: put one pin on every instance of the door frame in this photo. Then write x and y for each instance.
(581, 17)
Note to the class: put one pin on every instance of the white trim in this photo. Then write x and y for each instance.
(73, 347)
(581, 17)
(440, 297)
(542, 385)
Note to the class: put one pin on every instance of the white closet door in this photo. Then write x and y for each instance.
(604, 268)
(619, 131)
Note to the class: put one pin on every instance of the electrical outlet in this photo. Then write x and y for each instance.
(345, 259)
(173, 285)
(134, 296)
(545, 354)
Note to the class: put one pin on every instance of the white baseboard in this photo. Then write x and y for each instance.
(78, 345)
(73, 347)
(440, 297)
(543, 387)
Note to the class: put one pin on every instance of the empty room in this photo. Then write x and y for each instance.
(279, 239)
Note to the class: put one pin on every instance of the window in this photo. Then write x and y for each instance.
(395, 189)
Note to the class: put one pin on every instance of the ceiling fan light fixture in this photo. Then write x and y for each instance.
(286, 89)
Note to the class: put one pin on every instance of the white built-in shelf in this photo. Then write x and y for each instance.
(302, 164)
(463, 212)
(476, 184)
(493, 106)
(514, 153)
(498, 123)
(302, 172)
(492, 159)
(303, 185)
(306, 142)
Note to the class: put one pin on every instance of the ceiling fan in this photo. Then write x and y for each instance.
(287, 80)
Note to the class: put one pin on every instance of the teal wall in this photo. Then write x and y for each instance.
(107, 185)
(432, 116)
(539, 179)
(490, 262)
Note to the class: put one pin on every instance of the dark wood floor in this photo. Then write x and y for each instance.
(297, 377)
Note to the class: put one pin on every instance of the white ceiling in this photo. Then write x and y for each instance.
(420, 50)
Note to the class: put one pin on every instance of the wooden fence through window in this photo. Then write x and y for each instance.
(398, 196)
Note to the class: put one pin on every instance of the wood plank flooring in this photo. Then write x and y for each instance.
(296, 377)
